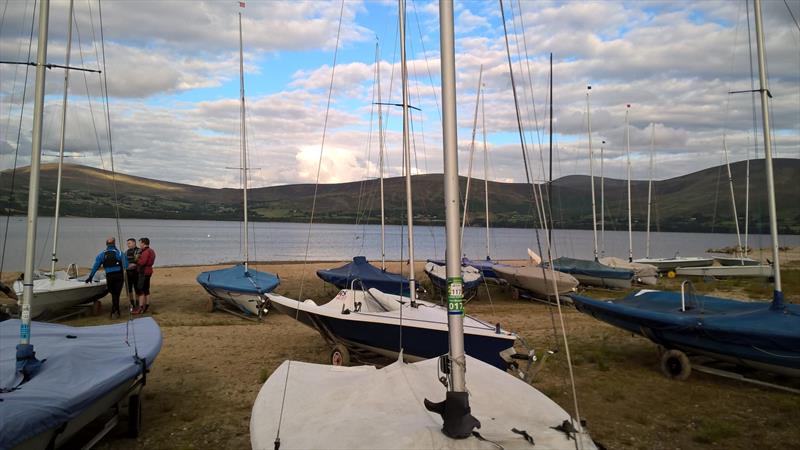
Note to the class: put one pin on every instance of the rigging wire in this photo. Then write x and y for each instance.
(19, 134)
(321, 150)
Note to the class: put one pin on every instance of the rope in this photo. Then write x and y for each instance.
(283, 402)
(322, 148)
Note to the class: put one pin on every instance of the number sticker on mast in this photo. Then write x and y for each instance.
(455, 296)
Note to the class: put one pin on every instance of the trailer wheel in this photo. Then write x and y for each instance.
(340, 356)
(675, 365)
(134, 416)
(211, 306)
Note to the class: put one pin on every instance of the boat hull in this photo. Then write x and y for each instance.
(732, 261)
(762, 271)
(537, 280)
(421, 336)
(668, 264)
(745, 333)
(241, 288)
(51, 296)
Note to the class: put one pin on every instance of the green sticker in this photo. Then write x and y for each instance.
(455, 296)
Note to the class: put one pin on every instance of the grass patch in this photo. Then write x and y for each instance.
(713, 431)
(263, 374)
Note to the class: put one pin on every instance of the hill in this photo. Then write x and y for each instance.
(694, 202)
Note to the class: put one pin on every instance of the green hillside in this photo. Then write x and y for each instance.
(695, 202)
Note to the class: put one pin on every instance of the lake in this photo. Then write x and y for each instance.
(196, 242)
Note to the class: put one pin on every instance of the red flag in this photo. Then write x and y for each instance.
(241, 4)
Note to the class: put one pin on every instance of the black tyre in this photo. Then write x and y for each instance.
(211, 305)
(134, 416)
(675, 365)
(340, 356)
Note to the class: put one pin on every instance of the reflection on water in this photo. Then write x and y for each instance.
(194, 242)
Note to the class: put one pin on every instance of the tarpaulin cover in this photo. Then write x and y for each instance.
(590, 269)
(748, 330)
(486, 266)
(366, 276)
(81, 365)
(237, 279)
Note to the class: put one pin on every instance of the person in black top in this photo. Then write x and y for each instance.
(132, 254)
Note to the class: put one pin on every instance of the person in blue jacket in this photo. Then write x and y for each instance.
(114, 263)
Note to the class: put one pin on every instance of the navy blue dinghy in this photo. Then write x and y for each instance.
(239, 286)
(85, 371)
(365, 276)
(593, 273)
(756, 334)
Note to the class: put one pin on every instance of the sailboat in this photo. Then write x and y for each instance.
(360, 273)
(736, 266)
(55, 291)
(756, 334)
(592, 272)
(643, 273)
(239, 286)
(84, 372)
(362, 319)
(304, 405)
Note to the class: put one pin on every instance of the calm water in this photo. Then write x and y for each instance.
(189, 242)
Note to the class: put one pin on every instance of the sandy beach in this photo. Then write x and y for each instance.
(212, 365)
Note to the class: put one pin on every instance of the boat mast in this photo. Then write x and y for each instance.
(485, 169)
(591, 172)
(777, 300)
(407, 153)
(380, 146)
(628, 152)
(33, 185)
(56, 213)
(550, 182)
(733, 201)
(455, 410)
(471, 155)
(243, 144)
(602, 201)
(650, 187)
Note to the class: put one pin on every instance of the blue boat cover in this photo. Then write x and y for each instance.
(590, 269)
(367, 275)
(236, 279)
(750, 331)
(80, 365)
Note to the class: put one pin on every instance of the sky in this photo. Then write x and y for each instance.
(171, 71)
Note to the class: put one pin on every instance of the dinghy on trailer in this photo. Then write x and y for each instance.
(470, 275)
(593, 273)
(756, 334)
(240, 287)
(85, 372)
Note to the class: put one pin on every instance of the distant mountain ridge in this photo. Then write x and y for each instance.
(697, 202)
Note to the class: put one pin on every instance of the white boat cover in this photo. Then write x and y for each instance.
(643, 273)
(62, 292)
(320, 406)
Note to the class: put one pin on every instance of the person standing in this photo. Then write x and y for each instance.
(132, 253)
(145, 265)
(113, 262)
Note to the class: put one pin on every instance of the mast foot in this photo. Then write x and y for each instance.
(455, 411)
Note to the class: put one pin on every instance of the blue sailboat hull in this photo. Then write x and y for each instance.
(593, 273)
(365, 276)
(746, 333)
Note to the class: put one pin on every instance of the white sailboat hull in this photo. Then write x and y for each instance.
(247, 303)
(363, 407)
(54, 295)
(761, 270)
(667, 264)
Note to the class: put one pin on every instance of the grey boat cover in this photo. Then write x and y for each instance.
(80, 366)
(590, 268)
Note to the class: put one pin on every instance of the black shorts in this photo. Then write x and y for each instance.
(143, 283)
(133, 281)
